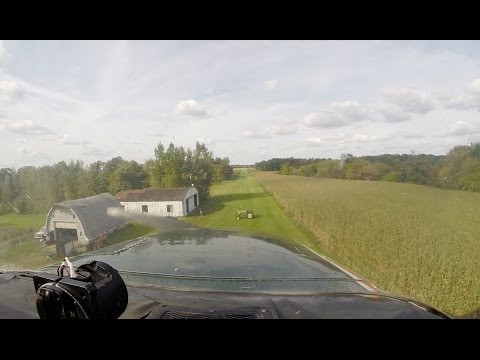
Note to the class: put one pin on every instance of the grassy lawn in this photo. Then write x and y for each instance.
(129, 232)
(32, 222)
(245, 192)
(18, 248)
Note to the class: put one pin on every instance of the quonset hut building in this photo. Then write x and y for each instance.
(81, 221)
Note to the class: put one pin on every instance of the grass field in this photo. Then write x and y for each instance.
(18, 247)
(411, 240)
(32, 222)
(245, 192)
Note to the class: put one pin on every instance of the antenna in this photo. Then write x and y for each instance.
(343, 157)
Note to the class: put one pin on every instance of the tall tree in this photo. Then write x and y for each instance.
(129, 175)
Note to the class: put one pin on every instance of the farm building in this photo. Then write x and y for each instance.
(85, 221)
(160, 202)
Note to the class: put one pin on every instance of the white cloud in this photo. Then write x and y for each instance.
(281, 129)
(191, 108)
(204, 141)
(393, 113)
(135, 142)
(361, 138)
(27, 127)
(271, 131)
(468, 99)
(10, 90)
(344, 113)
(461, 102)
(2, 50)
(325, 119)
(410, 135)
(31, 157)
(89, 150)
(410, 100)
(67, 140)
(474, 86)
(26, 153)
(256, 135)
(461, 128)
(314, 142)
(351, 110)
(358, 138)
(271, 84)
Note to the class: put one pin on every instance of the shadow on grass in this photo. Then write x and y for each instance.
(208, 207)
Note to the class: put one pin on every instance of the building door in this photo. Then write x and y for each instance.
(188, 207)
(195, 202)
(65, 234)
(65, 231)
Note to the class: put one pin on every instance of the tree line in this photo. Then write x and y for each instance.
(459, 169)
(31, 189)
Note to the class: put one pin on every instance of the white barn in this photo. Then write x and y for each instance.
(160, 202)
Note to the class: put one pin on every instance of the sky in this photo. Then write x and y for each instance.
(246, 100)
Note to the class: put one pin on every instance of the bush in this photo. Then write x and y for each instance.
(392, 176)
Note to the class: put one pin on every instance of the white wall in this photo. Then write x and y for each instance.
(60, 214)
(158, 208)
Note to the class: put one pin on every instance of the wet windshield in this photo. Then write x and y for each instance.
(223, 260)
(247, 165)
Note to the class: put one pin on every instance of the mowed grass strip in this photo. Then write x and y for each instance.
(245, 192)
(411, 240)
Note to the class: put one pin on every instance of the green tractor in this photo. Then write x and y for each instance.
(247, 214)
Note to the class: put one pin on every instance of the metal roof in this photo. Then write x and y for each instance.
(92, 213)
(174, 194)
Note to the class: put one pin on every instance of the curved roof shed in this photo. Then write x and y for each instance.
(89, 216)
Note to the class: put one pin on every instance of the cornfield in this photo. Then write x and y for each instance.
(409, 240)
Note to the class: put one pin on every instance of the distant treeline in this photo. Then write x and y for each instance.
(32, 189)
(275, 164)
(241, 166)
(459, 169)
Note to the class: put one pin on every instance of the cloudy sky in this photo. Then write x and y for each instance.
(248, 100)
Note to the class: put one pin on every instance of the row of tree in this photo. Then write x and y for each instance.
(459, 169)
(35, 189)
(276, 163)
(177, 167)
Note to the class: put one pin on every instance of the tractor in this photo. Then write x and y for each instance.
(248, 214)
